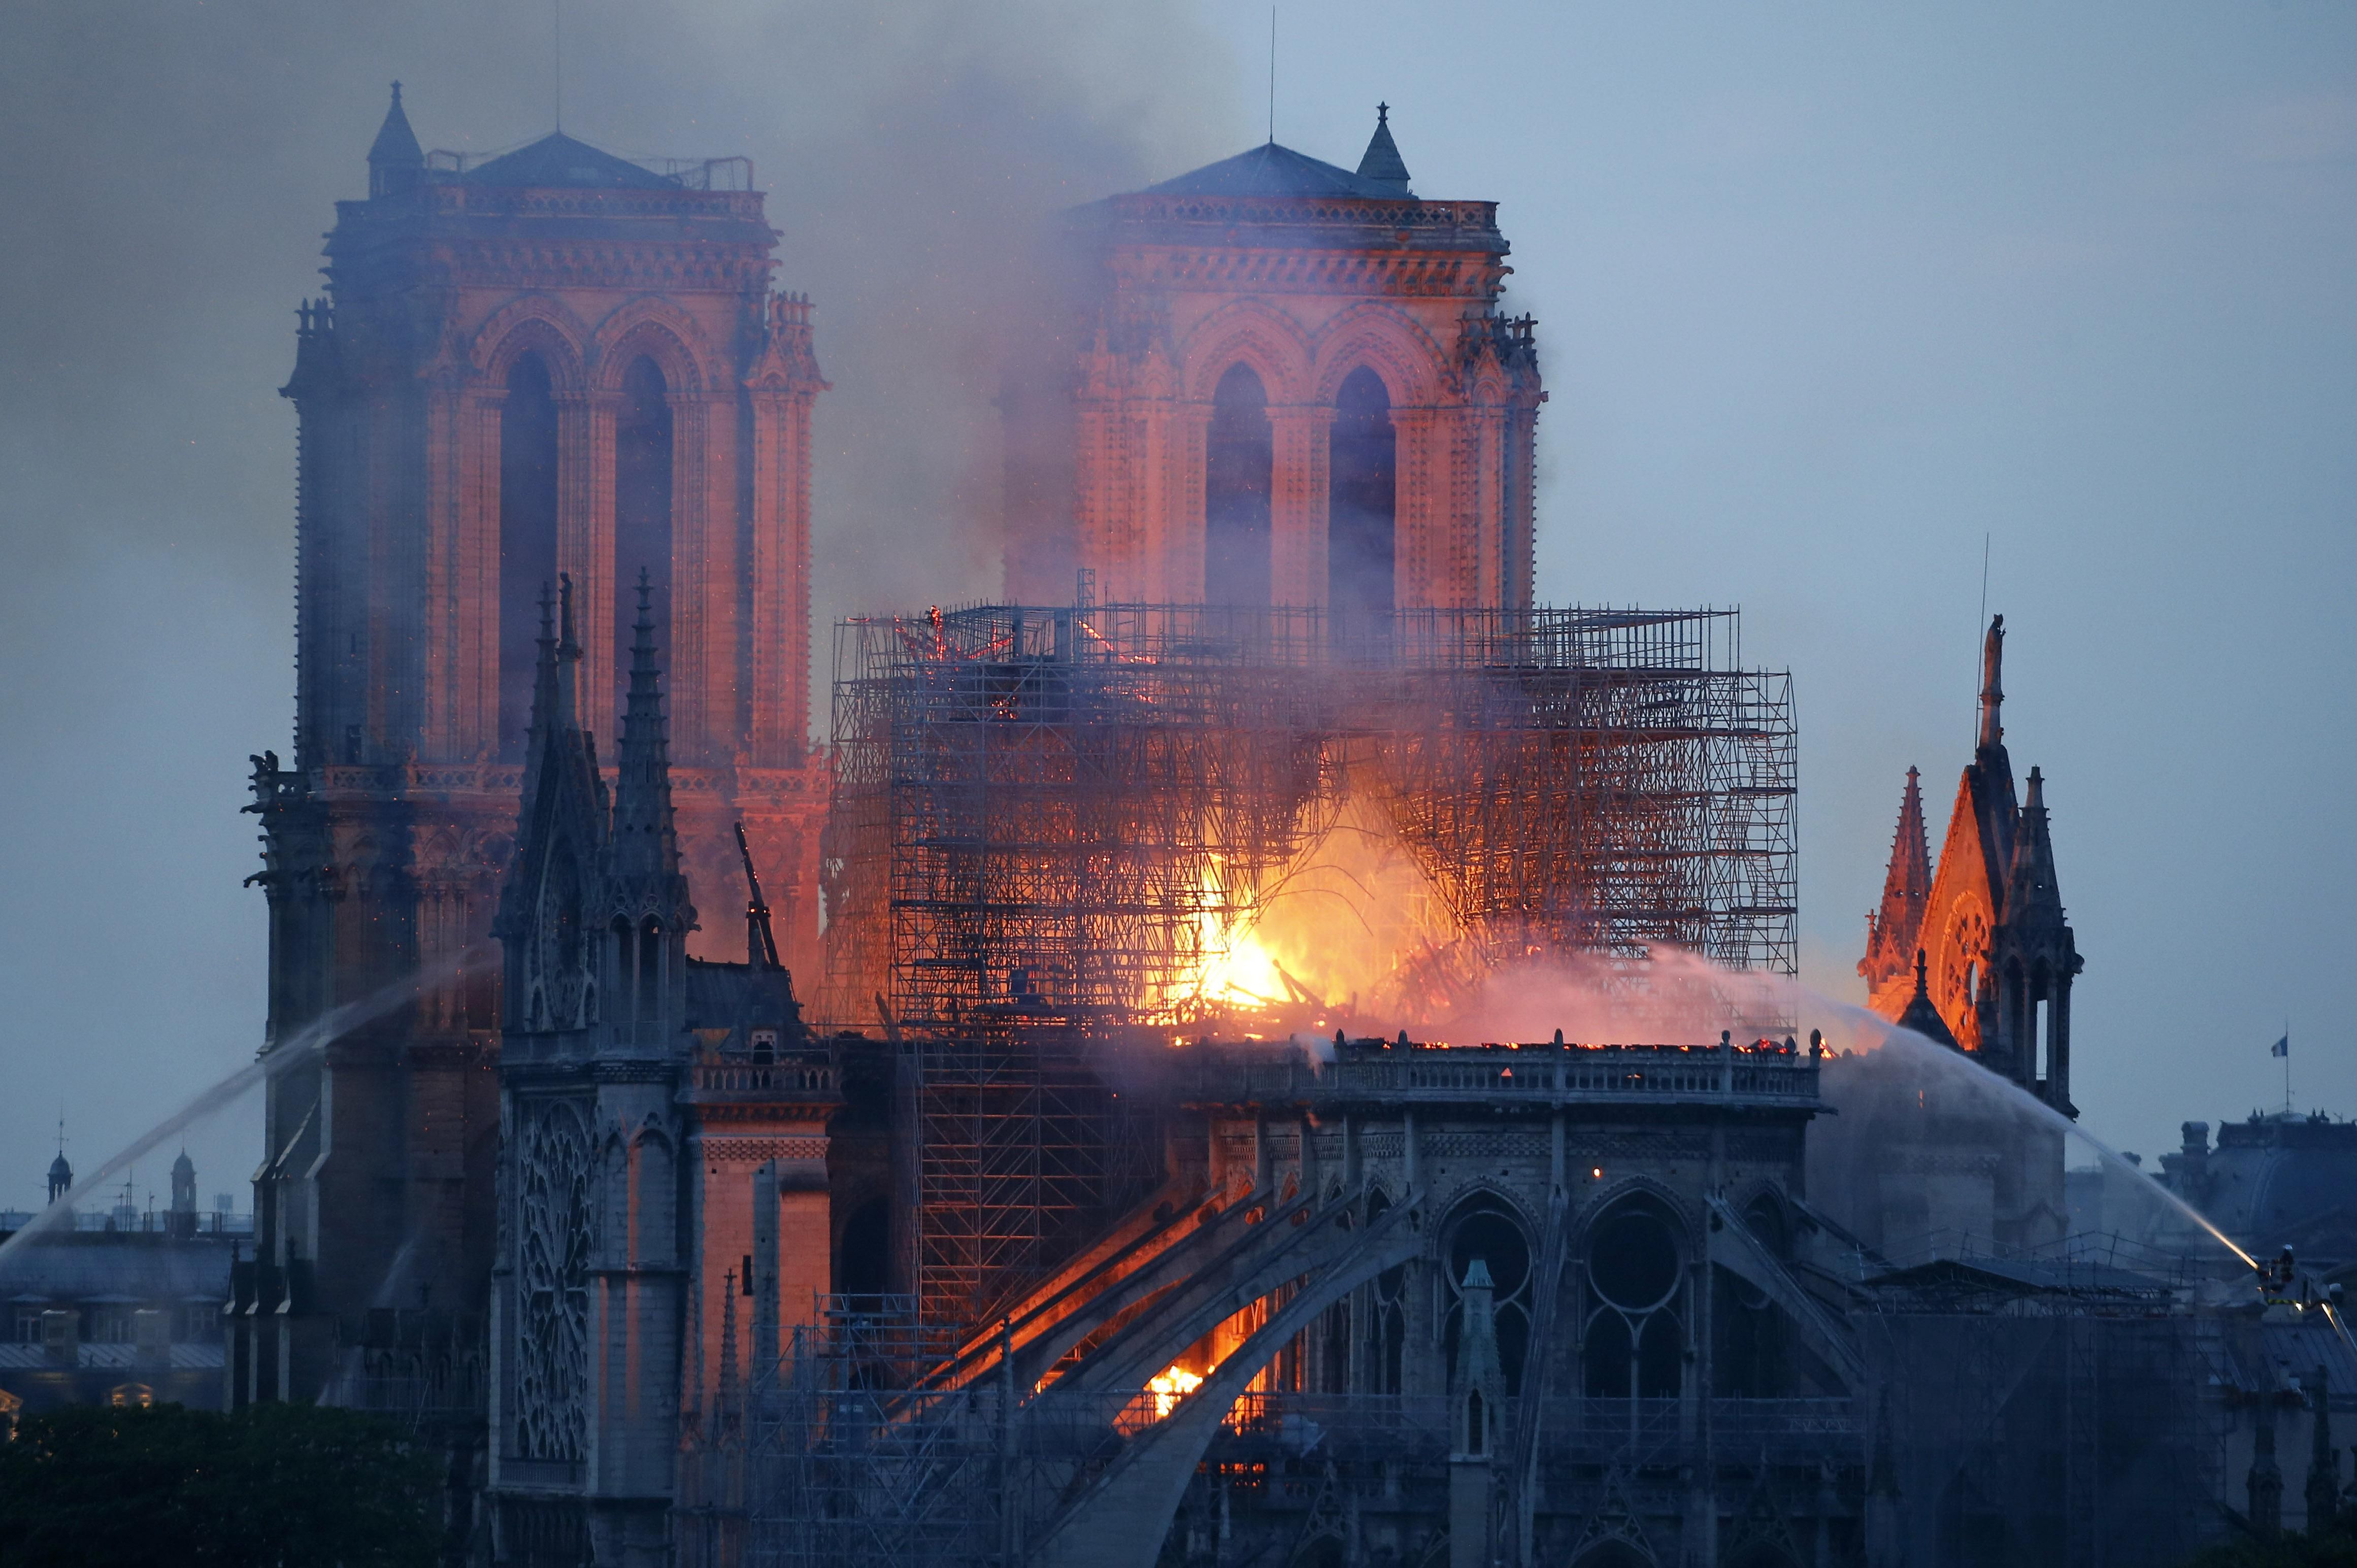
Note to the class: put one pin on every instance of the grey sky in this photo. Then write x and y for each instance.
(1825, 292)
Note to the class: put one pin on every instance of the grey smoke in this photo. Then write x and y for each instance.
(1823, 295)
(171, 170)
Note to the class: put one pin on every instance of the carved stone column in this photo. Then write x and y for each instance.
(703, 652)
(463, 593)
(584, 537)
(1178, 435)
(781, 631)
(1299, 504)
(1420, 516)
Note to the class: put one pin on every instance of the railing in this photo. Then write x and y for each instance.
(764, 1078)
(1080, 1425)
(1235, 1075)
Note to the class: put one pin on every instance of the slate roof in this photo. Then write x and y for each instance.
(110, 1358)
(1382, 161)
(395, 142)
(558, 160)
(95, 1265)
(1273, 170)
(2020, 1276)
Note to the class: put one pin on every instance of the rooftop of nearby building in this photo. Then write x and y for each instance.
(135, 1265)
(189, 1355)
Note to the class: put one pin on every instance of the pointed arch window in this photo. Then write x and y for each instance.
(650, 969)
(1488, 1232)
(642, 509)
(1361, 505)
(1238, 460)
(1633, 1339)
(527, 539)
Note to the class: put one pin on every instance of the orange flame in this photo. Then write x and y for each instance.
(1169, 1386)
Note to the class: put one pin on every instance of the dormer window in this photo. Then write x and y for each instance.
(765, 1044)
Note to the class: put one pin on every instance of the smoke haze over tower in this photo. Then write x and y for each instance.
(1828, 300)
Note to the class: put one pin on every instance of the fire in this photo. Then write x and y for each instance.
(1351, 932)
(1238, 972)
(1169, 1386)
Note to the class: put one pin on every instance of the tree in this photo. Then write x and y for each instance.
(274, 1486)
(2327, 1548)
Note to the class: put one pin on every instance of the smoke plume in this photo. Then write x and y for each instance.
(173, 168)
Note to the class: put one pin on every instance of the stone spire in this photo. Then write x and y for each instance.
(724, 1400)
(1922, 1016)
(1894, 931)
(554, 720)
(395, 160)
(562, 831)
(2032, 897)
(645, 862)
(1382, 161)
(1477, 1381)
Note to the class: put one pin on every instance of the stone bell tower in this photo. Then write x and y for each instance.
(1295, 386)
(551, 361)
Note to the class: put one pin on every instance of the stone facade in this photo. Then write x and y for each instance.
(1292, 385)
(1399, 1304)
(1999, 955)
(662, 1144)
(552, 361)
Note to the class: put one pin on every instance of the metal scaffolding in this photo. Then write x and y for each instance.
(1046, 810)
(1046, 822)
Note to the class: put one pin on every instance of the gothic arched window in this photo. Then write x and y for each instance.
(1238, 459)
(1362, 503)
(527, 539)
(642, 509)
(1631, 1342)
(650, 969)
(1489, 1232)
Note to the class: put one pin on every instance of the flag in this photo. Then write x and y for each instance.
(2281, 1048)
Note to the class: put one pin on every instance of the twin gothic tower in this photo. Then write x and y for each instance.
(1294, 386)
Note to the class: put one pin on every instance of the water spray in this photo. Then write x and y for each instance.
(1514, 999)
(302, 1046)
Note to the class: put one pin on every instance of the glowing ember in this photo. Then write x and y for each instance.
(1169, 1387)
(1237, 971)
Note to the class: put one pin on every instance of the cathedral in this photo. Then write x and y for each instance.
(559, 1171)
(554, 430)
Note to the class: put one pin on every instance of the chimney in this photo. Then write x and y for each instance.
(2193, 1163)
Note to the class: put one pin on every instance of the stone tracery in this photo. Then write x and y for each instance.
(556, 1227)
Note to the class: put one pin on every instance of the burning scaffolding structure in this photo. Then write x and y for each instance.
(1060, 811)
(1048, 822)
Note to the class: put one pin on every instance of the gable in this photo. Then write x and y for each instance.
(1962, 913)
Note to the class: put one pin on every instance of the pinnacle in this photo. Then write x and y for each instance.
(394, 157)
(1382, 161)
